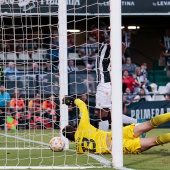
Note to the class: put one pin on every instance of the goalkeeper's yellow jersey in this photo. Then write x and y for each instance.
(87, 137)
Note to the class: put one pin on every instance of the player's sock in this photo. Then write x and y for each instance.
(163, 139)
(104, 124)
(160, 119)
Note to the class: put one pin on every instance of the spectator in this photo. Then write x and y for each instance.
(88, 50)
(70, 43)
(140, 81)
(71, 66)
(50, 83)
(167, 97)
(49, 108)
(143, 96)
(6, 45)
(49, 68)
(35, 107)
(35, 69)
(128, 80)
(168, 88)
(10, 71)
(52, 79)
(126, 39)
(123, 53)
(145, 73)
(89, 79)
(124, 107)
(129, 66)
(20, 45)
(165, 40)
(53, 51)
(18, 109)
(165, 45)
(32, 44)
(4, 105)
(128, 97)
(55, 30)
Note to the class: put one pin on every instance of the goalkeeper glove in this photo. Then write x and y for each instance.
(68, 100)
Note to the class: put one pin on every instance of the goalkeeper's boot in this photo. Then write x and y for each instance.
(140, 121)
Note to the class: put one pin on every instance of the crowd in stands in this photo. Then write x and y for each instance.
(82, 81)
(35, 111)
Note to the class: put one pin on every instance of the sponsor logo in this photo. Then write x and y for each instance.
(55, 2)
(161, 3)
(30, 4)
(124, 3)
(148, 113)
(128, 3)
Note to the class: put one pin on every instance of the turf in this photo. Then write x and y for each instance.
(156, 158)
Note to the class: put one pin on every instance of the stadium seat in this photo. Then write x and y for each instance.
(162, 89)
(11, 56)
(149, 98)
(1, 56)
(73, 56)
(154, 87)
(24, 56)
(49, 84)
(158, 97)
(42, 51)
(28, 82)
(37, 56)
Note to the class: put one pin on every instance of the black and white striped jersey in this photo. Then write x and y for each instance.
(103, 64)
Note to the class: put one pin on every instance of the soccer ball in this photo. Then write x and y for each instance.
(57, 144)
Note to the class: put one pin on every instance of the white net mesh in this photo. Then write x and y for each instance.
(29, 106)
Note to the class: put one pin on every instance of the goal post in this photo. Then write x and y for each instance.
(116, 74)
(62, 24)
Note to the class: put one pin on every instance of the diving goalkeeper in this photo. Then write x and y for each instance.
(90, 139)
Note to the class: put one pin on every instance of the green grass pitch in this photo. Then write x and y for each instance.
(157, 158)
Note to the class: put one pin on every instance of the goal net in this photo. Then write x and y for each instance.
(34, 78)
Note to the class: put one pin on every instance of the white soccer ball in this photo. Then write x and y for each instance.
(57, 144)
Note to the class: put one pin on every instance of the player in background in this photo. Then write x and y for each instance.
(35, 108)
(103, 94)
(90, 139)
(18, 108)
(49, 108)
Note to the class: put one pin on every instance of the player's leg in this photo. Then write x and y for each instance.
(154, 122)
(104, 123)
(141, 128)
(147, 143)
(103, 103)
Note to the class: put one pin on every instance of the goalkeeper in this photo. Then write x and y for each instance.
(91, 139)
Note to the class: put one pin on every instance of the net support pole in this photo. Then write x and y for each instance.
(116, 77)
(63, 78)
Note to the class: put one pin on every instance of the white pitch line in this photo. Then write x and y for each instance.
(23, 139)
(98, 158)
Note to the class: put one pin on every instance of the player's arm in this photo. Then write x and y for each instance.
(81, 105)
